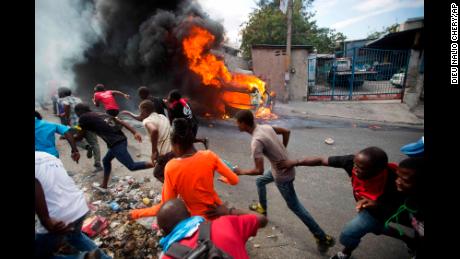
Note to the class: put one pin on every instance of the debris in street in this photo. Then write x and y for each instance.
(146, 201)
(256, 245)
(374, 127)
(108, 223)
(94, 225)
(329, 141)
(114, 206)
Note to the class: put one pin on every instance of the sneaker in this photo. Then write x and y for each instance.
(340, 255)
(89, 151)
(325, 243)
(258, 208)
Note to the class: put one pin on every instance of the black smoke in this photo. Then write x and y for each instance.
(141, 45)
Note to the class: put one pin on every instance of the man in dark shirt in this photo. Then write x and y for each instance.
(109, 128)
(144, 94)
(374, 189)
(179, 108)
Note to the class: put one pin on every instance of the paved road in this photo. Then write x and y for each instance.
(325, 192)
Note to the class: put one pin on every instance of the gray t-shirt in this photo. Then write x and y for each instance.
(266, 142)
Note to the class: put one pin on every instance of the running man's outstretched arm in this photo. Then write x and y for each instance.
(307, 161)
(132, 115)
(257, 170)
(285, 132)
(139, 117)
(74, 150)
(136, 134)
(120, 93)
(228, 176)
(153, 132)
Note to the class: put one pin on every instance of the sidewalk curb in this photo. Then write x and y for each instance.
(331, 117)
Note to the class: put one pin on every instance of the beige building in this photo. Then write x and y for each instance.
(268, 63)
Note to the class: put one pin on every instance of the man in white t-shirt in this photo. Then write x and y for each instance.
(159, 129)
(61, 208)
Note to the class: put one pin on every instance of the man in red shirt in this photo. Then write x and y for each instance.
(374, 189)
(107, 98)
(229, 233)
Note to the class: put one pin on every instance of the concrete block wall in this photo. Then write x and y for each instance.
(269, 65)
(414, 80)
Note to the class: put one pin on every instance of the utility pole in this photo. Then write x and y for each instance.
(287, 74)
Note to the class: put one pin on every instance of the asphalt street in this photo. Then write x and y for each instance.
(325, 192)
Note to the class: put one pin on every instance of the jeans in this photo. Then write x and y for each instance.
(288, 192)
(91, 138)
(46, 244)
(362, 224)
(120, 152)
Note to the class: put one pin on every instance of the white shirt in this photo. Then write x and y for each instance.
(164, 131)
(64, 200)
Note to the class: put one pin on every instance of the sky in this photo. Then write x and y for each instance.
(354, 18)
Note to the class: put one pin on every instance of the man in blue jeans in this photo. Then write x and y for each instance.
(374, 189)
(266, 143)
(61, 208)
(109, 128)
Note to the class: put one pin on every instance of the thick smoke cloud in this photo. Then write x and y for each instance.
(63, 31)
(122, 44)
(141, 45)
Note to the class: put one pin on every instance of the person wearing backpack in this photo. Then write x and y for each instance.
(193, 237)
(374, 189)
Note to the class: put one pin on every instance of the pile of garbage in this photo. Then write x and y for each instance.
(108, 223)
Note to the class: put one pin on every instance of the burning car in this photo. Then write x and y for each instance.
(236, 91)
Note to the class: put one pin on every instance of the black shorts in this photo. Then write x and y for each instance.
(113, 112)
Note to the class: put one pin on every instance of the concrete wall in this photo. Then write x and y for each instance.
(269, 65)
(299, 80)
(415, 80)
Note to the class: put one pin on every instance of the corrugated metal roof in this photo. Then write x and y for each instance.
(396, 40)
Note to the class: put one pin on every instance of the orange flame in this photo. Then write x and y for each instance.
(265, 113)
(214, 73)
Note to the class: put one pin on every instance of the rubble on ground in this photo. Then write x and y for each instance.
(123, 238)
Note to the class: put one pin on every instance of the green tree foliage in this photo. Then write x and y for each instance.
(268, 25)
(389, 29)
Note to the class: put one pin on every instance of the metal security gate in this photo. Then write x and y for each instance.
(369, 74)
